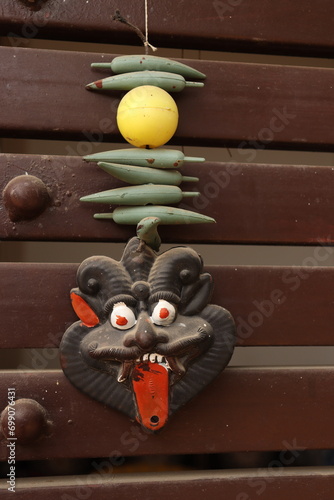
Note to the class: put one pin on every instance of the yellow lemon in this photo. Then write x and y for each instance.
(147, 116)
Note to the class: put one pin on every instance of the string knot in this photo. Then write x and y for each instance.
(147, 44)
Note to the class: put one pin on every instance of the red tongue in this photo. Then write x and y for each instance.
(150, 384)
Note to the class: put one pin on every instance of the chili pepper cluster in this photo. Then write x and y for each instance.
(147, 118)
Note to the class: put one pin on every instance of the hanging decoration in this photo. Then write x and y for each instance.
(147, 340)
(147, 118)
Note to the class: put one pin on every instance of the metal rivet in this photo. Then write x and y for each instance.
(25, 197)
(31, 421)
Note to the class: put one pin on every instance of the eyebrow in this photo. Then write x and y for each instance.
(164, 295)
(129, 300)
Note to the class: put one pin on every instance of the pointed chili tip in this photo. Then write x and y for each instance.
(98, 85)
(85, 198)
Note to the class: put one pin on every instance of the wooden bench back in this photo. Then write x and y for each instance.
(250, 107)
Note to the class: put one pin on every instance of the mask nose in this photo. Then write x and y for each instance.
(144, 334)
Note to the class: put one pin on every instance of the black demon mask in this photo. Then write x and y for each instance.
(147, 340)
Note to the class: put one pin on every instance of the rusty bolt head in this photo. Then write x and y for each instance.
(25, 197)
(31, 421)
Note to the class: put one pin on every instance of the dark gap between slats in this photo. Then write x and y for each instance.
(221, 55)
(113, 466)
(221, 154)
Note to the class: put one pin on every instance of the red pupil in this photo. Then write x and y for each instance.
(121, 320)
(164, 313)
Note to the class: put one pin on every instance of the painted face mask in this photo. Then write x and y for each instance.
(147, 340)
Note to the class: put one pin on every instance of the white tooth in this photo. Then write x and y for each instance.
(159, 358)
(152, 357)
(146, 357)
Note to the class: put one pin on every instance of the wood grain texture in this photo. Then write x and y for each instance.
(302, 482)
(243, 409)
(248, 25)
(271, 305)
(252, 203)
(241, 105)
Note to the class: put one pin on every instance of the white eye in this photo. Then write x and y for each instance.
(163, 313)
(122, 317)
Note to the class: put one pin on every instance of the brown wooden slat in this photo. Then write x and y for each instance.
(280, 106)
(252, 203)
(243, 409)
(249, 25)
(271, 305)
(306, 483)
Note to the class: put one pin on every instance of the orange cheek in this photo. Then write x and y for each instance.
(84, 311)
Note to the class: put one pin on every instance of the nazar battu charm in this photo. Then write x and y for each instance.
(147, 339)
(147, 118)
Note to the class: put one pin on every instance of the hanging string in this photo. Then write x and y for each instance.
(146, 43)
(118, 17)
